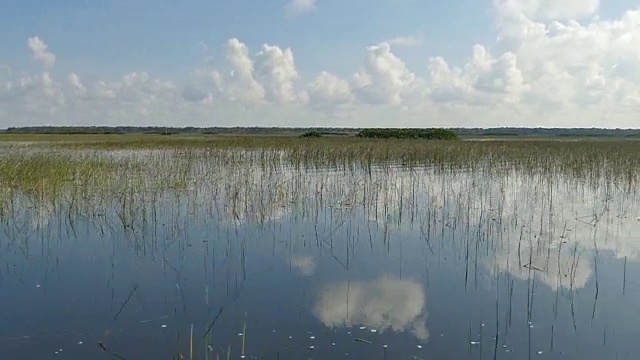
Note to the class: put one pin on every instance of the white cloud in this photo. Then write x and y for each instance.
(299, 7)
(385, 78)
(276, 71)
(241, 84)
(77, 86)
(558, 68)
(267, 77)
(74, 80)
(549, 9)
(483, 80)
(40, 53)
(193, 94)
(385, 303)
(538, 72)
(329, 90)
(406, 41)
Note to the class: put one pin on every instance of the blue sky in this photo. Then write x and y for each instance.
(119, 36)
(352, 62)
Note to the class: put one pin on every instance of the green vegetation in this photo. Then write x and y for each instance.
(429, 134)
(35, 162)
(311, 134)
(509, 132)
(491, 195)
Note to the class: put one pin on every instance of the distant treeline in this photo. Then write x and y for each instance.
(429, 134)
(462, 132)
(141, 130)
(548, 132)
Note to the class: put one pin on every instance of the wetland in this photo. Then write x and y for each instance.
(227, 247)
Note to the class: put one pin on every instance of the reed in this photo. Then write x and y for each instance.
(504, 205)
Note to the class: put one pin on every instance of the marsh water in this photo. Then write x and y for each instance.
(291, 262)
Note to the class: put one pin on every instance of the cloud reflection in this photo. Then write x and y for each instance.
(385, 303)
(557, 269)
(305, 265)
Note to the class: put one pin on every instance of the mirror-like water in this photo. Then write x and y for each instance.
(384, 263)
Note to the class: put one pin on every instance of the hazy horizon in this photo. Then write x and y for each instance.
(321, 63)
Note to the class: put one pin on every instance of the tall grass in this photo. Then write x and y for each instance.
(518, 207)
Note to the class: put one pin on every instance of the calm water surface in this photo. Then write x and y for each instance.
(348, 264)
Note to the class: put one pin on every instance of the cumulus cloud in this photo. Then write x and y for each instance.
(385, 78)
(329, 90)
(549, 9)
(241, 84)
(548, 65)
(76, 84)
(406, 41)
(40, 53)
(266, 77)
(483, 80)
(299, 7)
(544, 67)
(383, 304)
(193, 94)
(276, 71)
(74, 80)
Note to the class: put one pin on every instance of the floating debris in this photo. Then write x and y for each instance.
(419, 346)
(80, 343)
(374, 330)
(362, 340)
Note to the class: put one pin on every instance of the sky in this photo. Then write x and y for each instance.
(308, 63)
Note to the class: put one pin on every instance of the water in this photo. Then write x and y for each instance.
(298, 264)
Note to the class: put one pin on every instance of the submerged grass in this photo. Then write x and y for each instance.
(33, 172)
(82, 169)
(481, 194)
(97, 167)
(579, 155)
